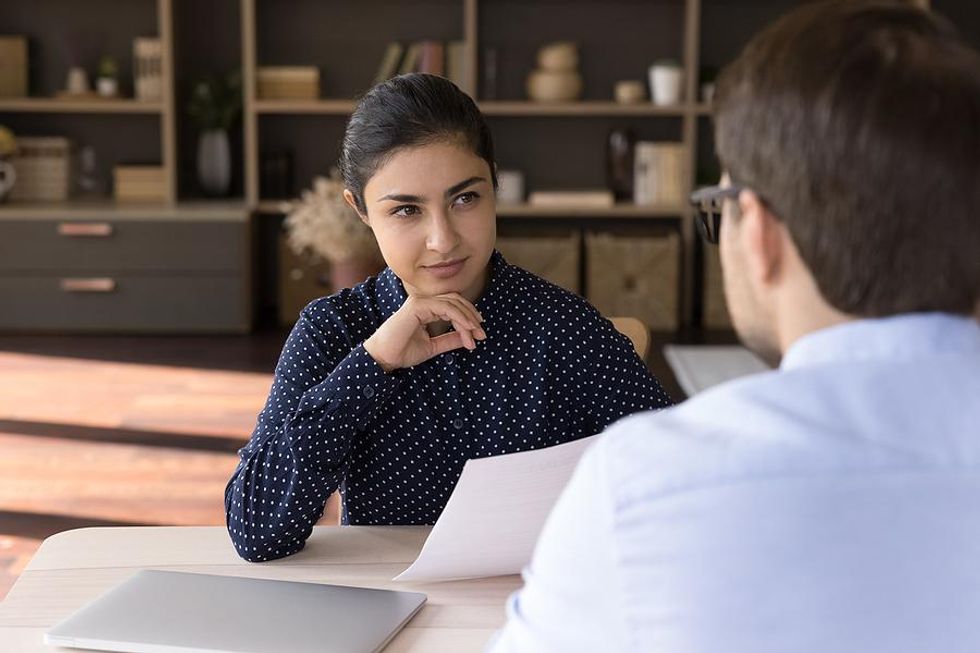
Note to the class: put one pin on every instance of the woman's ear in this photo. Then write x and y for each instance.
(349, 198)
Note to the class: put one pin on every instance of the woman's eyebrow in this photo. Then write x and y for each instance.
(455, 188)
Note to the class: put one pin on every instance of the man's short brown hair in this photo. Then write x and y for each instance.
(858, 123)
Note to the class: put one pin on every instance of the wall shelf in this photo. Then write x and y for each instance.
(58, 105)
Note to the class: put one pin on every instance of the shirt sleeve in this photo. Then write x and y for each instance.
(571, 599)
(620, 382)
(323, 395)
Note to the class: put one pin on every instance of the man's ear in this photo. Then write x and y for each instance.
(349, 198)
(762, 237)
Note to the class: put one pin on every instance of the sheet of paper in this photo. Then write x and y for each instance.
(495, 514)
(698, 367)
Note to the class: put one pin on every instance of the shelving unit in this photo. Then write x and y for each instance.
(27, 113)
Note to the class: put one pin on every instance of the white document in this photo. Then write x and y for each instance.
(698, 367)
(495, 514)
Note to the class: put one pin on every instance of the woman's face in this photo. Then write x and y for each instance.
(432, 209)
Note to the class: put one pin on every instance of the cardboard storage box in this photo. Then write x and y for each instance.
(715, 308)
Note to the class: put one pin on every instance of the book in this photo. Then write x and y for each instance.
(432, 58)
(389, 62)
(411, 60)
(596, 199)
(456, 69)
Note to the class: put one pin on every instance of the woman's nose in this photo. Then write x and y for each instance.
(442, 236)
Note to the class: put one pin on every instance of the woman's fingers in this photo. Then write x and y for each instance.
(446, 342)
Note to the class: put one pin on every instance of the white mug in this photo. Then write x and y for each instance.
(8, 175)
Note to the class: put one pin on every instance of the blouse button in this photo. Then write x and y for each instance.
(368, 392)
(457, 423)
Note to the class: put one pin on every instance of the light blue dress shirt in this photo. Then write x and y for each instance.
(830, 505)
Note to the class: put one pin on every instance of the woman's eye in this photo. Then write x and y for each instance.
(467, 198)
(406, 211)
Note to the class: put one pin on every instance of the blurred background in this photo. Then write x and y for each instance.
(167, 208)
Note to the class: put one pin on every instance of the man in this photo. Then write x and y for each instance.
(832, 504)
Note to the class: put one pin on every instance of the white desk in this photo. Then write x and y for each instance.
(74, 567)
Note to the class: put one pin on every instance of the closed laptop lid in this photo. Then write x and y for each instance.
(157, 611)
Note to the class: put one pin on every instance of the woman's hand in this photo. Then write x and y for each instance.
(404, 341)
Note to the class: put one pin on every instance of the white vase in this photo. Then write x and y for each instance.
(214, 162)
(666, 83)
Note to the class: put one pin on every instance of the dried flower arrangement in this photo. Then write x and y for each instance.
(323, 225)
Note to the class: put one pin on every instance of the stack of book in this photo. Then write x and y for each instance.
(658, 174)
(435, 57)
(139, 183)
(572, 199)
(288, 82)
(148, 69)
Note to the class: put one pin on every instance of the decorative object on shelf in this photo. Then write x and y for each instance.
(593, 199)
(659, 174)
(301, 280)
(80, 49)
(215, 104)
(321, 224)
(666, 82)
(619, 163)
(510, 187)
(706, 82)
(76, 83)
(89, 182)
(148, 69)
(629, 91)
(276, 175)
(107, 80)
(635, 273)
(488, 73)
(8, 174)
(556, 79)
(288, 82)
(140, 183)
(457, 69)
(43, 167)
(13, 66)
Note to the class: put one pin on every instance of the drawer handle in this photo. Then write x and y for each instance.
(100, 229)
(98, 284)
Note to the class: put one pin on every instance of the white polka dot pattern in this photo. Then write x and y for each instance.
(551, 370)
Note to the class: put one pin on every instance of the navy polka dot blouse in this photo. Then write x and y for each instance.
(551, 370)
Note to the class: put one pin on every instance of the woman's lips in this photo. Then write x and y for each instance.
(447, 269)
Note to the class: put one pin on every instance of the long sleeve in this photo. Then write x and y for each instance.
(620, 383)
(322, 396)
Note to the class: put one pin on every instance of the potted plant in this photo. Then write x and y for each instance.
(322, 226)
(107, 80)
(215, 104)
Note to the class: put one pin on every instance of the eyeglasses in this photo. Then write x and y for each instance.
(707, 203)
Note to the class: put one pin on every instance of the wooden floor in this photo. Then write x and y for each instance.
(104, 430)
(98, 430)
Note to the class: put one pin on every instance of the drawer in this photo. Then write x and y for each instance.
(122, 245)
(164, 304)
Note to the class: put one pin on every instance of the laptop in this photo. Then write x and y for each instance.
(155, 611)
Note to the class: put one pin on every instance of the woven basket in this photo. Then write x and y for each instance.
(635, 275)
(553, 257)
(43, 169)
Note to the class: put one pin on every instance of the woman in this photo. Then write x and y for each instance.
(386, 389)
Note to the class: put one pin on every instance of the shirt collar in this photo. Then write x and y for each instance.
(497, 293)
(898, 337)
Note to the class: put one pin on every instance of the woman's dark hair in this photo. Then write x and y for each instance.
(407, 111)
(858, 121)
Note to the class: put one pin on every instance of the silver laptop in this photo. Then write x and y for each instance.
(156, 611)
